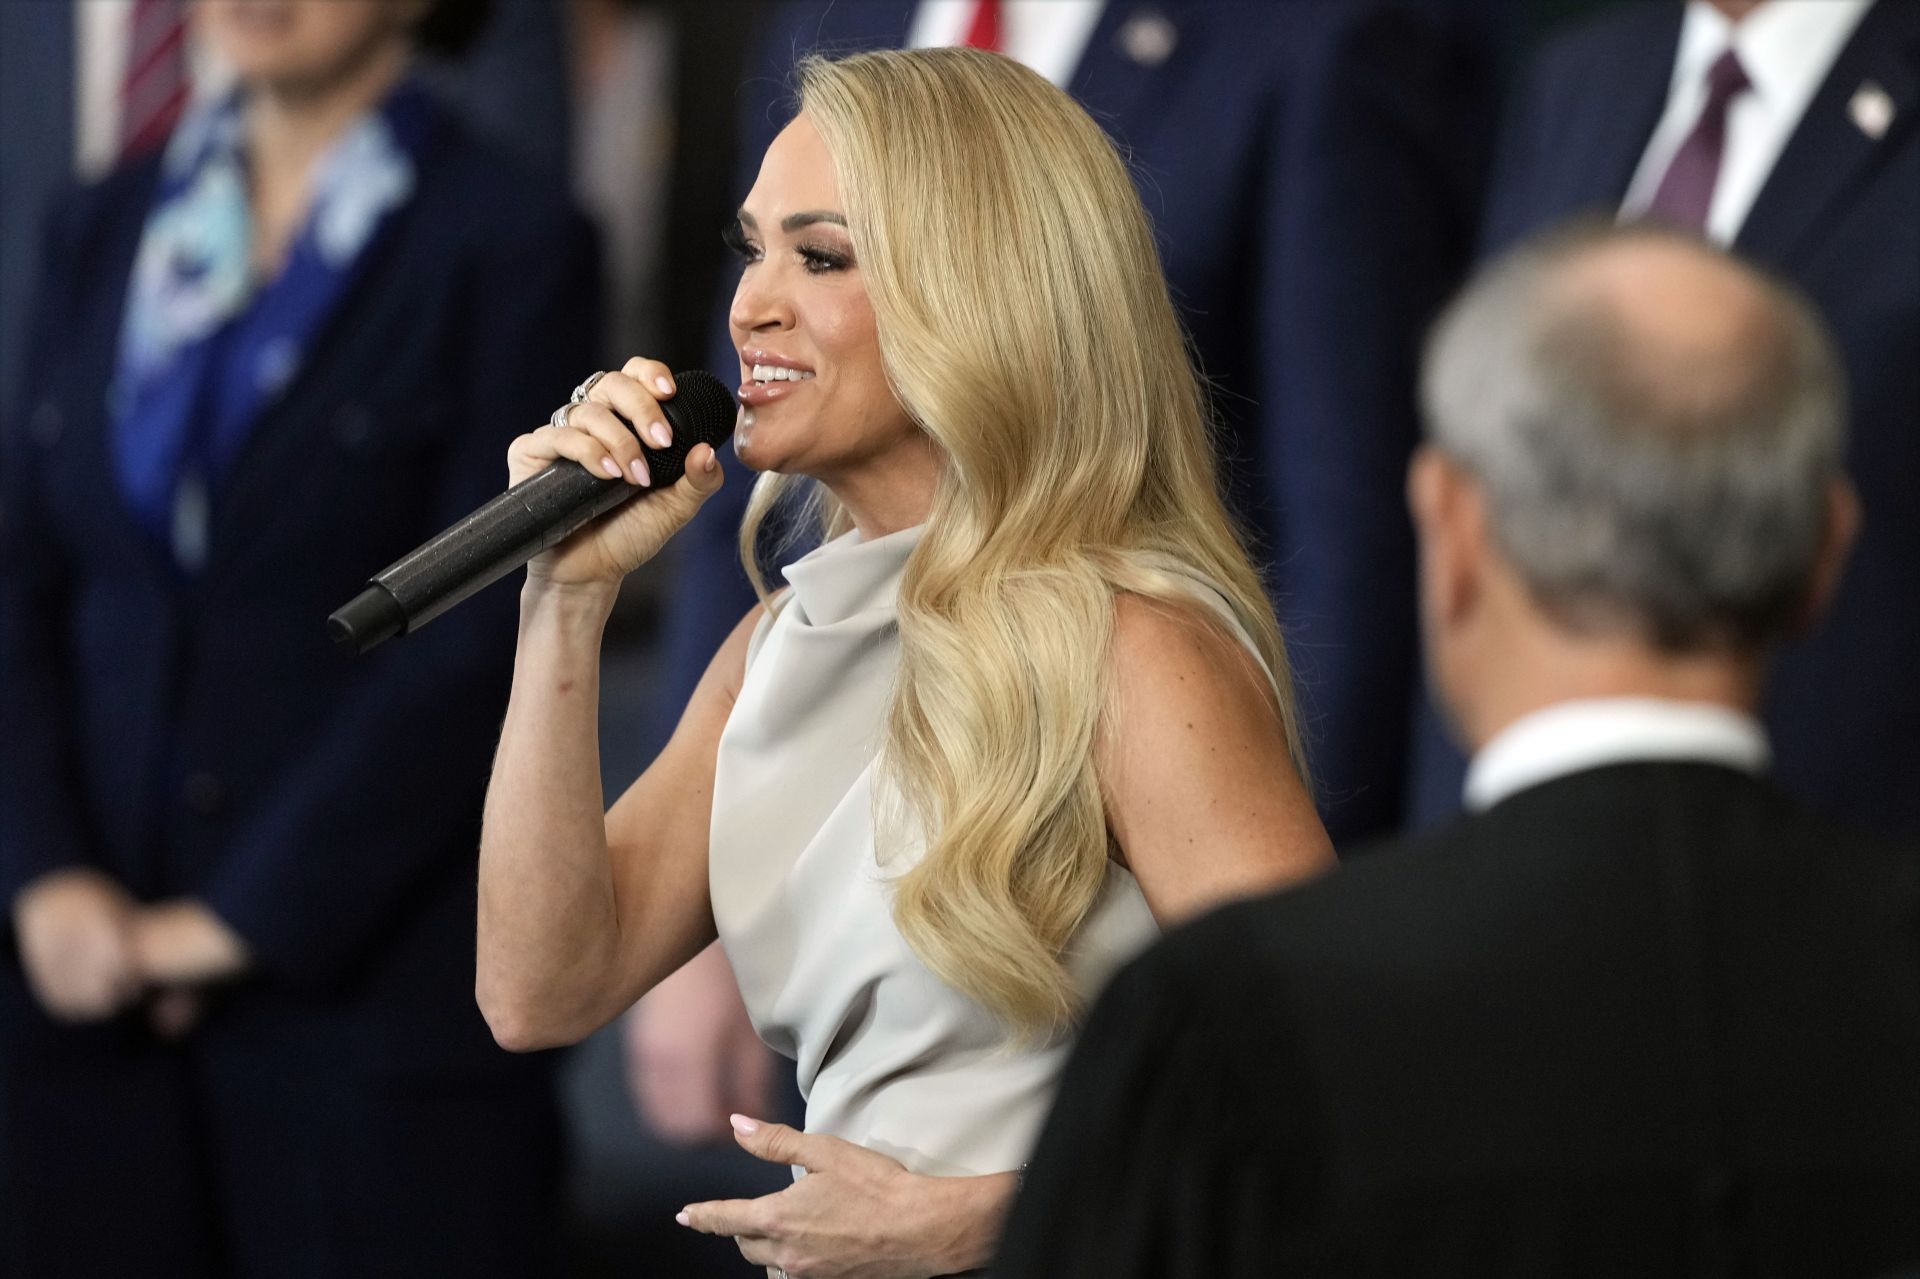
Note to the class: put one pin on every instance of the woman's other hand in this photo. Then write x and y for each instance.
(598, 436)
(856, 1214)
(692, 1055)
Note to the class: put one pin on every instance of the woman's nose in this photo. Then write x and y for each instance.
(759, 303)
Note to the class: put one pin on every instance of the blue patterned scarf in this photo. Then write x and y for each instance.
(206, 347)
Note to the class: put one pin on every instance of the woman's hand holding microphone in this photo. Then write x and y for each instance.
(604, 433)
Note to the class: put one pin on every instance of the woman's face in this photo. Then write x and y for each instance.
(801, 320)
(302, 45)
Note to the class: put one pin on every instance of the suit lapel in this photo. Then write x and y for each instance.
(118, 249)
(1830, 155)
(248, 498)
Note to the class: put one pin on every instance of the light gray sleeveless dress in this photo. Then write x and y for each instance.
(888, 1055)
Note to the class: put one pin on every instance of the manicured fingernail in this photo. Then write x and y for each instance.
(713, 460)
(611, 467)
(665, 384)
(743, 1125)
(640, 471)
(660, 435)
(682, 1218)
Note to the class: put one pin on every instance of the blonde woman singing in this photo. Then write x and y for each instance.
(1026, 705)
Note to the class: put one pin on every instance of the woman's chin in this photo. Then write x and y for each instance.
(752, 454)
(760, 449)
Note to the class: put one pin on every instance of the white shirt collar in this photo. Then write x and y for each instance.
(1786, 46)
(1571, 737)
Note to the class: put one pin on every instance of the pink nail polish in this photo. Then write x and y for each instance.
(660, 435)
(743, 1125)
(665, 384)
(682, 1218)
(611, 467)
(640, 474)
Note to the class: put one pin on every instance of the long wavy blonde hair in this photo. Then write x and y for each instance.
(1025, 325)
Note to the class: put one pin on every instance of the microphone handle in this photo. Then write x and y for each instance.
(517, 525)
(478, 551)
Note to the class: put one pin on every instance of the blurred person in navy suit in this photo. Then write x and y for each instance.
(1313, 171)
(1788, 130)
(240, 1035)
(1638, 1013)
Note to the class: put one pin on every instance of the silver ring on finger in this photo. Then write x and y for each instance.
(559, 417)
(580, 392)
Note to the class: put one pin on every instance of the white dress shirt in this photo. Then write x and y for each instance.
(1786, 47)
(1572, 737)
(1048, 35)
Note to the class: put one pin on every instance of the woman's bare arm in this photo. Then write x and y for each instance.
(583, 911)
(1202, 796)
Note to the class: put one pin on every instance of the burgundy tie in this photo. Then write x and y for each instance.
(984, 31)
(1685, 193)
(154, 89)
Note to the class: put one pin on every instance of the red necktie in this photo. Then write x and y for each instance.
(1685, 194)
(153, 91)
(984, 31)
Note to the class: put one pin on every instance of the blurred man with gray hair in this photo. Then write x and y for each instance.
(1789, 131)
(1635, 1013)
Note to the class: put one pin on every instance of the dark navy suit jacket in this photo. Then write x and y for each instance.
(1313, 173)
(201, 736)
(1839, 216)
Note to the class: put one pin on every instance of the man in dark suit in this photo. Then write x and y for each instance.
(1805, 159)
(1638, 1014)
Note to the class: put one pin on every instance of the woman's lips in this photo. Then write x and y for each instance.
(754, 394)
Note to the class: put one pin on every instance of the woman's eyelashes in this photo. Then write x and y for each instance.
(818, 259)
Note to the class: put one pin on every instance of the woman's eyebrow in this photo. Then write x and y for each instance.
(794, 221)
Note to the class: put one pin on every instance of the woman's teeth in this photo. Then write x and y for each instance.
(779, 373)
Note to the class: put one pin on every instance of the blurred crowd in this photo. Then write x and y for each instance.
(280, 278)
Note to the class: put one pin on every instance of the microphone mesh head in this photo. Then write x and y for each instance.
(702, 411)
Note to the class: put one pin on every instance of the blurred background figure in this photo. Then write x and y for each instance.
(1785, 129)
(1638, 1013)
(84, 85)
(283, 340)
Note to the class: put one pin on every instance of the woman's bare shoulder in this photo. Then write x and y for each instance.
(1179, 650)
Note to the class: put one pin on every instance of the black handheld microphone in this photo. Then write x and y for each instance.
(523, 521)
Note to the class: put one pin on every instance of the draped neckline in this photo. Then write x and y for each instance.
(850, 575)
